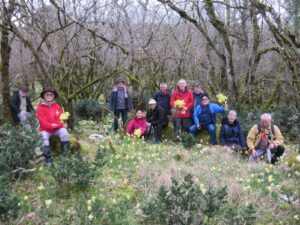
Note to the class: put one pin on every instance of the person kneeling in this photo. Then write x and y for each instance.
(265, 138)
(137, 125)
(155, 121)
(205, 118)
(48, 114)
(231, 133)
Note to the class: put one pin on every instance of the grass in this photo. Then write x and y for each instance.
(134, 172)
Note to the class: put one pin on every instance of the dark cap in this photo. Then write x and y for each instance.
(197, 85)
(49, 88)
(121, 79)
(205, 95)
(23, 88)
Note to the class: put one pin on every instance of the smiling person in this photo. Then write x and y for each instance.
(231, 133)
(48, 114)
(21, 106)
(205, 118)
(182, 115)
(265, 136)
(138, 122)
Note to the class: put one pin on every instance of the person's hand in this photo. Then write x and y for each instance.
(225, 106)
(254, 153)
(148, 124)
(65, 125)
(271, 146)
(54, 124)
(23, 112)
(198, 127)
(184, 108)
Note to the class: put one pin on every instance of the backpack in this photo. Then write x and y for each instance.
(272, 128)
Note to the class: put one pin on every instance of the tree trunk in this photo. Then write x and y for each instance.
(4, 68)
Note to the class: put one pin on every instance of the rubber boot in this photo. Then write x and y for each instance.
(47, 154)
(65, 148)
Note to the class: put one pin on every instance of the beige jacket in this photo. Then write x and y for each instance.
(253, 137)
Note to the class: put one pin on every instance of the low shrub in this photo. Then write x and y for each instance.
(188, 203)
(17, 145)
(88, 109)
(74, 172)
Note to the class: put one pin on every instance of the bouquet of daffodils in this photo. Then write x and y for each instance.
(137, 132)
(64, 116)
(179, 104)
(222, 99)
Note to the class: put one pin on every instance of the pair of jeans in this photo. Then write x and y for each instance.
(211, 128)
(117, 113)
(276, 153)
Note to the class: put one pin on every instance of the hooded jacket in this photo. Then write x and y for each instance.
(232, 133)
(113, 99)
(136, 123)
(188, 99)
(49, 116)
(14, 104)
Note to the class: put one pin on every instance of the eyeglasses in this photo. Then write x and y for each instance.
(204, 99)
(49, 94)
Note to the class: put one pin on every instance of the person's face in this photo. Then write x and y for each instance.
(231, 117)
(182, 84)
(163, 87)
(120, 84)
(205, 100)
(139, 114)
(197, 90)
(265, 123)
(152, 106)
(49, 96)
(23, 93)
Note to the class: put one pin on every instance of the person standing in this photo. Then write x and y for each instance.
(182, 113)
(120, 102)
(162, 98)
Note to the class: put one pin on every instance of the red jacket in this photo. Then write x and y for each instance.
(49, 117)
(136, 123)
(188, 98)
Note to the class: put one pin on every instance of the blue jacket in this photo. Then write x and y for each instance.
(213, 107)
(232, 133)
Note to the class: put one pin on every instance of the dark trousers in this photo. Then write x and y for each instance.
(117, 113)
(278, 152)
(157, 131)
(182, 124)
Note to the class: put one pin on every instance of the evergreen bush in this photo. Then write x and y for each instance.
(17, 145)
(74, 172)
(88, 109)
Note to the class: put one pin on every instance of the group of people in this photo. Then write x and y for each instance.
(190, 112)
(49, 116)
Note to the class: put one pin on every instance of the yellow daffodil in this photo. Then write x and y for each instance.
(41, 187)
(25, 198)
(48, 202)
(91, 217)
(179, 104)
(222, 99)
(64, 116)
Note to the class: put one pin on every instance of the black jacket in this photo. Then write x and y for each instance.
(163, 100)
(14, 104)
(232, 133)
(155, 116)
